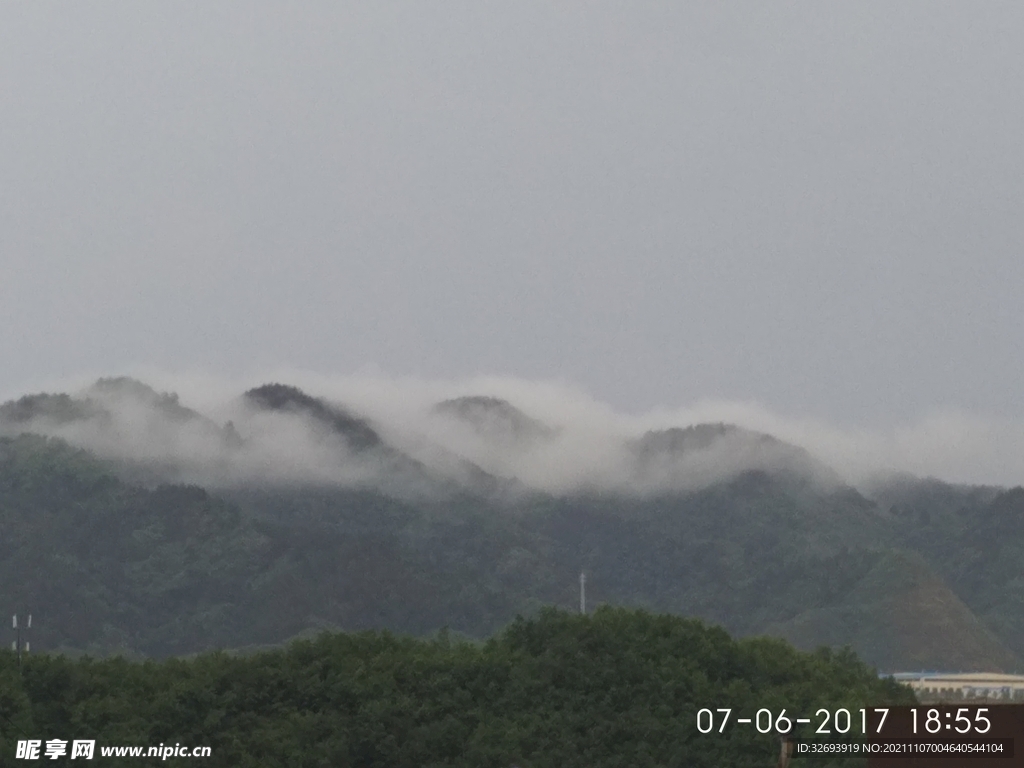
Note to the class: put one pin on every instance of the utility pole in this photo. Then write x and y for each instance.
(583, 592)
(17, 646)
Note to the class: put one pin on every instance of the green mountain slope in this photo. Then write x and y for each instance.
(902, 616)
(118, 557)
(108, 566)
(974, 539)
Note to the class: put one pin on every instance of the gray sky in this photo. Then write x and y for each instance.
(814, 206)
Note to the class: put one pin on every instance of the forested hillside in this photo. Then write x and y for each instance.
(118, 555)
(618, 688)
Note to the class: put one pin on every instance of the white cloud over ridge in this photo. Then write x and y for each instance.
(588, 446)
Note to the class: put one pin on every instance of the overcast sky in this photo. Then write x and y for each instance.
(817, 207)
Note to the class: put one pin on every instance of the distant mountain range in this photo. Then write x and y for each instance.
(131, 522)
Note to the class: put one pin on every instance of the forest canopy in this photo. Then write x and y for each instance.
(616, 688)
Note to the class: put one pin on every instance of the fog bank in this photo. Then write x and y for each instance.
(487, 430)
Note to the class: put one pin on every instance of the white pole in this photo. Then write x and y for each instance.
(583, 592)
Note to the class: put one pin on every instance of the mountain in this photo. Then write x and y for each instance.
(389, 467)
(107, 566)
(703, 453)
(494, 419)
(124, 389)
(357, 433)
(316, 516)
(150, 435)
(56, 409)
(99, 402)
(901, 615)
(974, 538)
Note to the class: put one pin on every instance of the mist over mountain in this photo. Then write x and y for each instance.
(279, 433)
(356, 433)
(393, 323)
(181, 520)
(706, 453)
(495, 419)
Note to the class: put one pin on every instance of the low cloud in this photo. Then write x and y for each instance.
(206, 432)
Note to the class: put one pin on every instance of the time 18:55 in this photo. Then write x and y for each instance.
(962, 723)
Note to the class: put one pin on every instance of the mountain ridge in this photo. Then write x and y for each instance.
(763, 549)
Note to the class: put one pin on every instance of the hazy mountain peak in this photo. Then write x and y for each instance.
(493, 417)
(703, 453)
(126, 386)
(697, 437)
(356, 431)
(125, 389)
(54, 408)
